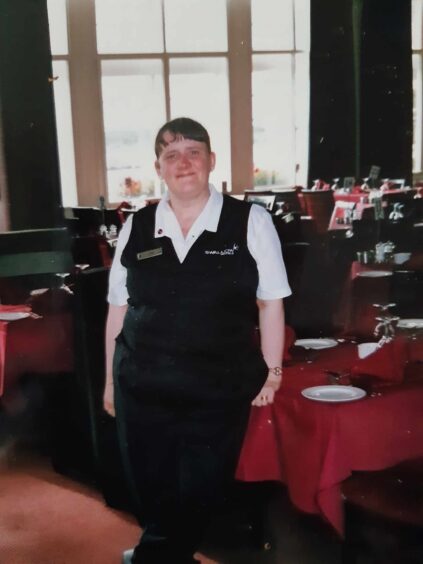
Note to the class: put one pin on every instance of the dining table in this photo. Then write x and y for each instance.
(372, 283)
(311, 446)
(35, 340)
(344, 212)
(358, 195)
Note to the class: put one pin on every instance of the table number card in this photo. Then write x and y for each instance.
(349, 183)
(374, 172)
(374, 175)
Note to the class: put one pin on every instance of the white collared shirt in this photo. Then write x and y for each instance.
(262, 241)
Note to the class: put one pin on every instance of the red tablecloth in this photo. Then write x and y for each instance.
(339, 213)
(350, 197)
(42, 345)
(355, 313)
(357, 194)
(313, 446)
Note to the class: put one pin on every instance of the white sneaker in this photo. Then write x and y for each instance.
(127, 556)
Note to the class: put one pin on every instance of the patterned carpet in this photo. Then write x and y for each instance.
(46, 518)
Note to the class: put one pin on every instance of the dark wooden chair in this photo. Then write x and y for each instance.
(93, 250)
(392, 198)
(289, 197)
(368, 232)
(32, 259)
(85, 221)
(35, 251)
(290, 200)
(319, 204)
(384, 515)
(289, 227)
(407, 293)
(87, 447)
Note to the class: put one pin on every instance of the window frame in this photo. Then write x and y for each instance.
(84, 64)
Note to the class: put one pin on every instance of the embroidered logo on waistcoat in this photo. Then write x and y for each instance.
(230, 251)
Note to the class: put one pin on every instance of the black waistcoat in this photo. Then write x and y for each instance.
(197, 317)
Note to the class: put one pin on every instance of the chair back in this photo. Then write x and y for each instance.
(319, 205)
(384, 514)
(88, 219)
(289, 196)
(97, 432)
(35, 251)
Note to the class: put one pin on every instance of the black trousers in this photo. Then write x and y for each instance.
(180, 457)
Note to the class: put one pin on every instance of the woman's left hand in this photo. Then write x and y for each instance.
(265, 396)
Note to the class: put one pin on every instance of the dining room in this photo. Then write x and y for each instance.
(314, 110)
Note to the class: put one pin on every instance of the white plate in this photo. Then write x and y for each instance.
(410, 323)
(38, 291)
(316, 343)
(334, 393)
(13, 315)
(374, 273)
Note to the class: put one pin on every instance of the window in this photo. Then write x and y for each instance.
(133, 105)
(124, 68)
(280, 43)
(62, 98)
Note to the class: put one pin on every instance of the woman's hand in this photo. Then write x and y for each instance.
(108, 399)
(265, 396)
(114, 325)
(272, 329)
(270, 387)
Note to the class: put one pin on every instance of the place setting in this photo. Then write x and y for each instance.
(317, 343)
(334, 393)
(16, 312)
(410, 323)
(308, 349)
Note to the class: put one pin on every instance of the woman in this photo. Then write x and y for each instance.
(190, 279)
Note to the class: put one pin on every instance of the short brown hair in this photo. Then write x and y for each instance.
(183, 127)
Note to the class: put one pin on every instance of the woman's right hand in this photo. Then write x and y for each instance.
(108, 399)
(114, 325)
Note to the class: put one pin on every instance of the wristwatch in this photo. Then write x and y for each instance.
(276, 370)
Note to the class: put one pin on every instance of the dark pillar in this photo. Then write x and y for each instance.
(346, 139)
(386, 88)
(332, 136)
(26, 101)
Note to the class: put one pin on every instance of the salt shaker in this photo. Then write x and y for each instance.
(380, 252)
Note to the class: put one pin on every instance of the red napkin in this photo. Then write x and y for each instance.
(290, 338)
(17, 307)
(386, 363)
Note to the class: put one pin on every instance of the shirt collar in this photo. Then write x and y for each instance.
(206, 221)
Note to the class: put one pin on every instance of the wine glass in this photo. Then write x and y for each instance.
(385, 184)
(316, 185)
(365, 187)
(385, 328)
(280, 206)
(335, 185)
(384, 307)
(62, 276)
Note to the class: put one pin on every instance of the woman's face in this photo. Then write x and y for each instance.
(185, 166)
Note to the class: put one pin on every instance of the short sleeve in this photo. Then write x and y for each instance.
(118, 294)
(265, 247)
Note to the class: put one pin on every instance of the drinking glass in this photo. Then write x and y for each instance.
(280, 209)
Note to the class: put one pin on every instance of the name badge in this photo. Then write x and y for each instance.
(149, 254)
